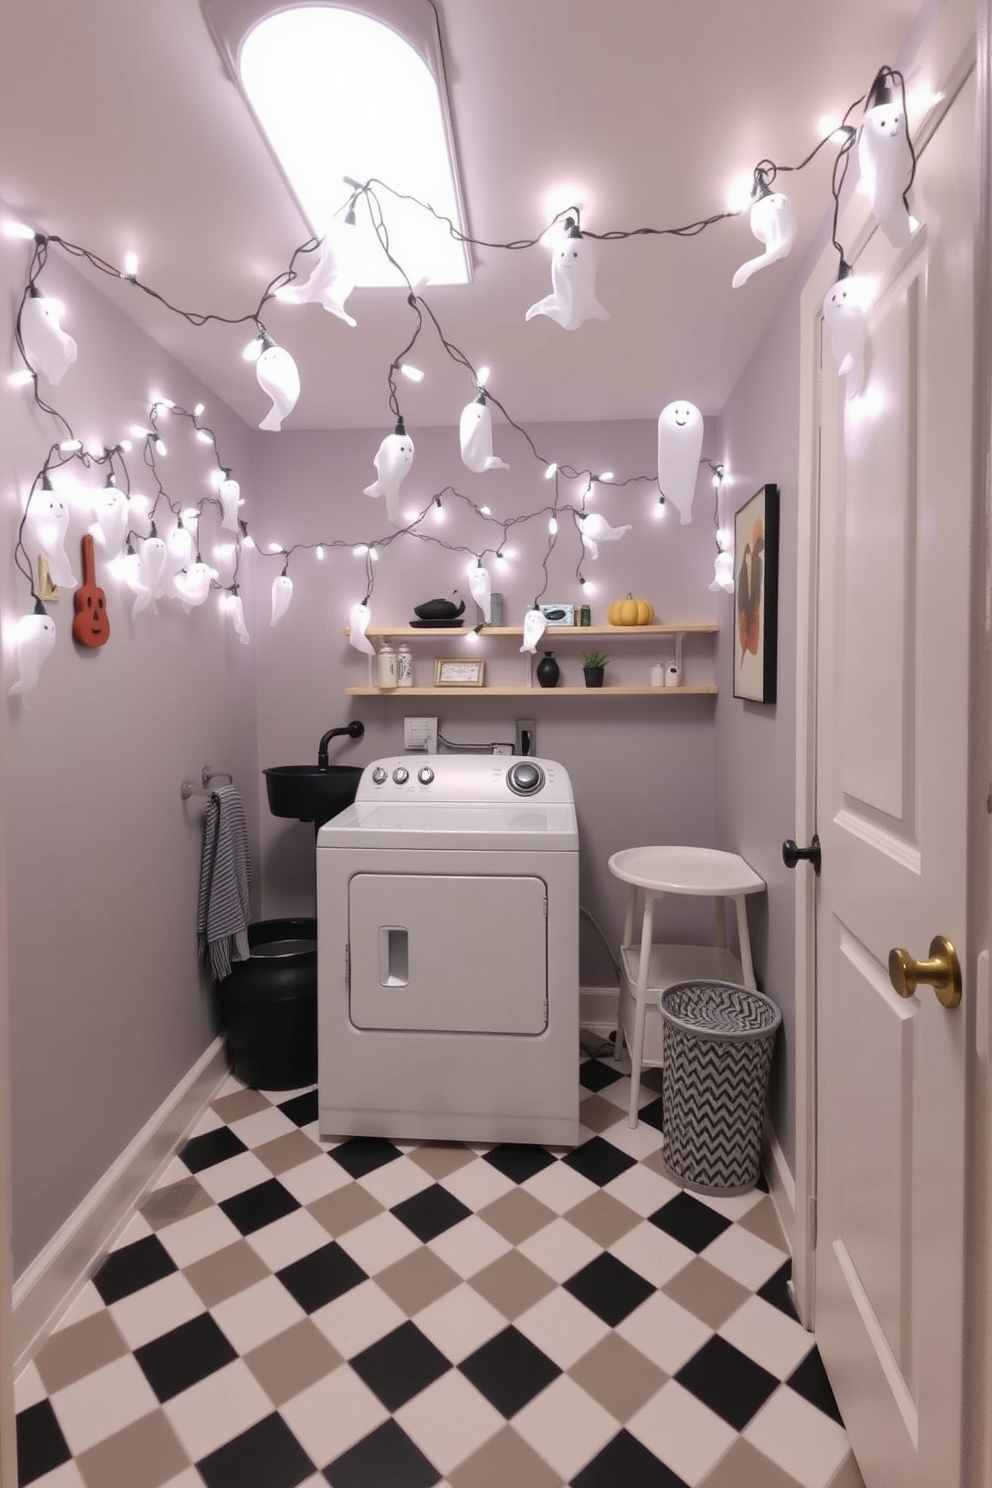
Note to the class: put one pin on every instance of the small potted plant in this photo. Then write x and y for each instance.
(593, 666)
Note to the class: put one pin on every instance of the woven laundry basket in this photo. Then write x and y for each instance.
(718, 1044)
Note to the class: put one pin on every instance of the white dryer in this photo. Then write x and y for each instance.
(447, 953)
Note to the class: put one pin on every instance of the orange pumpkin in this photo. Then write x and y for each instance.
(630, 611)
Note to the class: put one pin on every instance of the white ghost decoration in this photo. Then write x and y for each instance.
(33, 642)
(392, 464)
(773, 222)
(229, 493)
(282, 593)
(594, 529)
(131, 571)
(475, 430)
(723, 573)
(48, 524)
(334, 274)
(138, 517)
(846, 313)
(151, 571)
(49, 349)
(110, 508)
(573, 284)
(193, 586)
(480, 584)
(535, 625)
(358, 619)
(180, 549)
(680, 445)
(237, 612)
(885, 162)
(278, 376)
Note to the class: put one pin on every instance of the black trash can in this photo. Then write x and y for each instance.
(268, 1006)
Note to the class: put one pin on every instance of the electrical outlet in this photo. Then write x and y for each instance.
(420, 734)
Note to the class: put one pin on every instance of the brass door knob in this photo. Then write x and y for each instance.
(942, 972)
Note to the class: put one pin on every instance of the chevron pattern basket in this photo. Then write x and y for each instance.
(718, 1044)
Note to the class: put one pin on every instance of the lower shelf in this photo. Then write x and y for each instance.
(530, 692)
(668, 964)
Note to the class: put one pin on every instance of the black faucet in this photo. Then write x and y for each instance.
(354, 730)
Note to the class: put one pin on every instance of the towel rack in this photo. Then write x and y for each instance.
(208, 774)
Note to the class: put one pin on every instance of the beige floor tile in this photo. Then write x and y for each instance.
(512, 1284)
(618, 1376)
(287, 1151)
(292, 1361)
(175, 1201)
(505, 1459)
(597, 1114)
(744, 1465)
(603, 1218)
(144, 1455)
(417, 1280)
(517, 1216)
(848, 1475)
(763, 1221)
(706, 1292)
(79, 1349)
(441, 1158)
(225, 1273)
(344, 1209)
(239, 1104)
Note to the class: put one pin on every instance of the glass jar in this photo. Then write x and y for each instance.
(386, 669)
(404, 665)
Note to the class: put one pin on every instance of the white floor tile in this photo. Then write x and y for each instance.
(642, 1190)
(313, 1179)
(83, 1305)
(651, 1253)
(559, 1249)
(358, 1319)
(639, 1141)
(684, 1433)
(747, 1258)
(449, 1420)
(460, 1322)
(191, 1479)
(733, 1206)
(562, 1327)
(333, 1414)
(565, 1426)
(478, 1184)
(263, 1126)
(176, 1172)
(226, 1179)
(776, 1342)
(469, 1246)
(156, 1309)
(198, 1235)
(665, 1332)
(29, 1388)
(559, 1187)
(257, 1314)
(288, 1239)
(208, 1122)
(137, 1228)
(396, 1181)
(379, 1242)
(800, 1439)
(68, 1476)
(102, 1403)
(217, 1409)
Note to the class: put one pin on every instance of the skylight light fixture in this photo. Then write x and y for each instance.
(354, 92)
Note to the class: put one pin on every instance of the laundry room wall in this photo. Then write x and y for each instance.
(108, 1005)
(643, 768)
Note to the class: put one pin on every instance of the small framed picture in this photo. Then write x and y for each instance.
(756, 597)
(558, 614)
(449, 672)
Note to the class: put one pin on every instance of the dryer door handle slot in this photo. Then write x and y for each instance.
(394, 956)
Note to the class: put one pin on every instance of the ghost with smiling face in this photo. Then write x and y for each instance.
(392, 465)
(773, 222)
(846, 315)
(33, 642)
(535, 624)
(475, 431)
(885, 163)
(680, 445)
(48, 525)
(48, 348)
(573, 285)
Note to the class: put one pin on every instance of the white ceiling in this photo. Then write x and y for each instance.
(121, 130)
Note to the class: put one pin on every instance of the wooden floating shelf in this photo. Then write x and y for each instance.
(567, 631)
(528, 692)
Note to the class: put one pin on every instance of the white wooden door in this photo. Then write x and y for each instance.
(892, 722)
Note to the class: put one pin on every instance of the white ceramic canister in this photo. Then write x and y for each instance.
(673, 677)
(386, 668)
(658, 674)
(404, 665)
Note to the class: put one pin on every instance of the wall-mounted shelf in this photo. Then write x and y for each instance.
(624, 632)
(527, 692)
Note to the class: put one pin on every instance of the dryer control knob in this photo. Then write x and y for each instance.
(426, 775)
(525, 779)
(401, 775)
(378, 774)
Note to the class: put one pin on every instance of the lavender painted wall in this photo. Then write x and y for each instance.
(108, 1008)
(642, 768)
(755, 744)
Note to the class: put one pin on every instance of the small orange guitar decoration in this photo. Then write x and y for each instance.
(91, 623)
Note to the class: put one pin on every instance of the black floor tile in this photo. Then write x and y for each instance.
(625, 1463)
(599, 1161)
(303, 1109)
(212, 1148)
(254, 1208)
(400, 1365)
(132, 1267)
(596, 1075)
(184, 1356)
(810, 1381)
(609, 1288)
(41, 1447)
(519, 1162)
(266, 1456)
(387, 1457)
(651, 1114)
(361, 1155)
(319, 1277)
(509, 1371)
(730, 1383)
(687, 1220)
(431, 1212)
(776, 1291)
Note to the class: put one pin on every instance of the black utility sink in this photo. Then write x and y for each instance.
(310, 793)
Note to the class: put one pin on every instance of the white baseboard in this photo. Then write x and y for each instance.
(598, 1008)
(781, 1184)
(55, 1277)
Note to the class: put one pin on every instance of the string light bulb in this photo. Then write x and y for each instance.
(553, 525)
(412, 374)
(130, 269)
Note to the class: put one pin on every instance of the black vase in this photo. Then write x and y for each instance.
(547, 670)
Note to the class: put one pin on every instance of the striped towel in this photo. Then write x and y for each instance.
(225, 882)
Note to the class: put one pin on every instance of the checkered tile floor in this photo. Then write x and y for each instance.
(397, 1315)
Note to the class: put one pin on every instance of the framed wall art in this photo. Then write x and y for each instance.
(756, 597)
(457, 672)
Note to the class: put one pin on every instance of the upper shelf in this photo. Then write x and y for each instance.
(623, 631)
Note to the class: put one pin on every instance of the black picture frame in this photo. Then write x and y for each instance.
(756, 546)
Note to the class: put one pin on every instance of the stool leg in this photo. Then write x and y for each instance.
(624, 998)
(640, 1008)
(747, 966)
